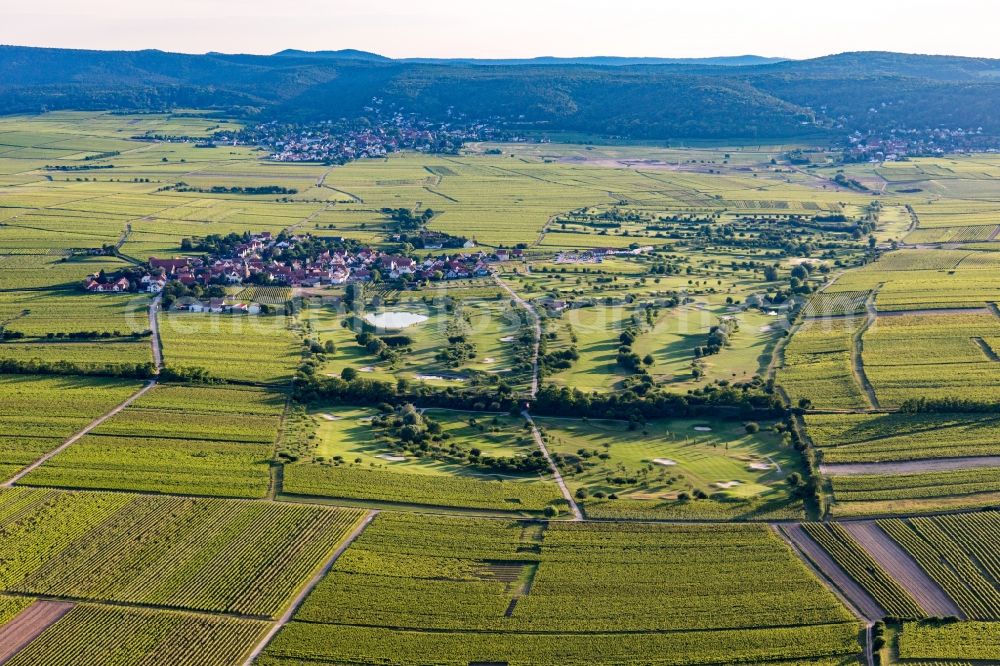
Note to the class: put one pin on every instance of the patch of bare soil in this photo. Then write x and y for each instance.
(902, 567)
(28, 625)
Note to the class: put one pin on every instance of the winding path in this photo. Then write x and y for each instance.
(857, 351)
(539, 440)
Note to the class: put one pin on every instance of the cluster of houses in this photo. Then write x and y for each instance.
(246, 265)
(217, 305)
(900, 144)
(334, 267)
(337, 143)
(598, 254)
(95, 285)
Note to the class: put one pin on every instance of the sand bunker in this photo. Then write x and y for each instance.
(439, 378)
(760, 466)
(366, 368)
(330, 417)
(726, 485)
(664, 461)
(703, 429)
(509, 338)
(489, 360)
(391, 458)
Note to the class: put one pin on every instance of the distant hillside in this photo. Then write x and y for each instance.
(342, 54)
(608, 61)
(640, 98)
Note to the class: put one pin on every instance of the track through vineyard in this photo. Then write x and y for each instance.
(903, 569)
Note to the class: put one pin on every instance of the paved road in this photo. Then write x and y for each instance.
(857, 599)
(903, 568)
(93, 424)
(540, 441)
(909, 466)
(304, 592)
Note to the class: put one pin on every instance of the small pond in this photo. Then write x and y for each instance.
(394, 320)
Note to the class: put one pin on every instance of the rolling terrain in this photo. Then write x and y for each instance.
(699, 406)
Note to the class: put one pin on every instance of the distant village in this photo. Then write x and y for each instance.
(339, 142)
(263, 259)
(901, 144)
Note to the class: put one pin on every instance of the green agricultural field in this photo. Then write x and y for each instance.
(258, 350)
(928, 280)
(213, 555)
(866, 438)
(38, 413)
(175, 439)
(934, 356)
(855, 561)
(817, 364)
(693, 592)
(959, 553)
(914, 493)
(964, 642)
(97, 634)
(749, 320)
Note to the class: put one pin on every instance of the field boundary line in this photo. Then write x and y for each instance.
(576, 632)
(76, 437)
(55, 598)
(308, 588)
(926, 312)
(354, 198)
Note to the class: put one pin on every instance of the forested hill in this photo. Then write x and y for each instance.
(352, 54)
(834, 95)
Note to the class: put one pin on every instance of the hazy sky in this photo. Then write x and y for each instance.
(511, 28)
